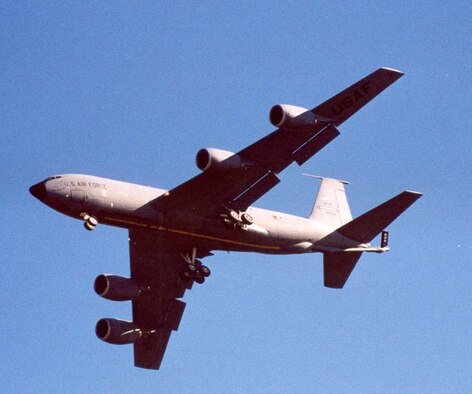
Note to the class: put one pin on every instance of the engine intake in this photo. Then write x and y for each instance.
(116, 288)
(117, 332)
(287, 116)
(216, 158)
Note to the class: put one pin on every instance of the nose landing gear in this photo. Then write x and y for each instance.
(90, 222)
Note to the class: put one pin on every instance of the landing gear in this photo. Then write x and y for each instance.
(194, 269)
(90, 221)
(247, 219)
(237, 219)
(189, 271)
(201, 272)
(234, 215)
(205, 271)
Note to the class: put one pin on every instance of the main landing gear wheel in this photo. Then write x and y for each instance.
(247, 219)
(199, 279)
(202, 272)
(234, 215)
(243, 226)
(194, 269)
(237, 219)
(205, 271)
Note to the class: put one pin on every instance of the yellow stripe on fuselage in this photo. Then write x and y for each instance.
(126, 222)
(208, 237)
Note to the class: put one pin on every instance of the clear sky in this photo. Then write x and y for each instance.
(132, 90)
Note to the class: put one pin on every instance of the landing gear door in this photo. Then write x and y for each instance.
(77, 195)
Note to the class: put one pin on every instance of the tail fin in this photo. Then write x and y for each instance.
(331, 206)
(367, 226)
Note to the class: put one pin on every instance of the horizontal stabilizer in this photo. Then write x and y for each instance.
(366, 227)
(337, 267)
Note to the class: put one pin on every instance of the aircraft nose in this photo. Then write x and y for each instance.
(39, 191)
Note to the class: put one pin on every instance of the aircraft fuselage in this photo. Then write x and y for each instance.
(126, 205)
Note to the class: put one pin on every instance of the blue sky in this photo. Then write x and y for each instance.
(132, 90)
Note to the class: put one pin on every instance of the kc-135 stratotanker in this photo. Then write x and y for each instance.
(171, 231)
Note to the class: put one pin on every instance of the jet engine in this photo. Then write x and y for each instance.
(287, 116)
(116, 288)
(117, 332)
(216, 158)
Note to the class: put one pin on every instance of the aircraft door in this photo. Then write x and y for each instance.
(77, 196)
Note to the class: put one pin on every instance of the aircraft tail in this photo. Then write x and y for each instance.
(367, 226)
(331, 207)
(338, 265)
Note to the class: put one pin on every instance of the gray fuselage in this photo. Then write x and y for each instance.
(129, 205)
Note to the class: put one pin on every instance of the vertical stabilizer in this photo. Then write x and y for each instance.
(331, 206)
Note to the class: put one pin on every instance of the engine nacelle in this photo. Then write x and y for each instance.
(117, 332)
(116, 288)
(217, 158)
(287, 116)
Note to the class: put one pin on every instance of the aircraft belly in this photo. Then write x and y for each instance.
(271, 232)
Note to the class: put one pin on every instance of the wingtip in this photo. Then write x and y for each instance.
(394, 71)
(412, 195)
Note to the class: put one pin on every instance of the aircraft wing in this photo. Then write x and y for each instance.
(237, 189)
(155, 263)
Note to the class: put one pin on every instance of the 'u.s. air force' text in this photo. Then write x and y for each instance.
(85, 184)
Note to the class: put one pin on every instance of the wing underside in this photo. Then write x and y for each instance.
(237, 189)
(156, 264)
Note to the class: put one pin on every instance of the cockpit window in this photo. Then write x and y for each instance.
(53, 177)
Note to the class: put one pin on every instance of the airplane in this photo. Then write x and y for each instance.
(171, 231)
